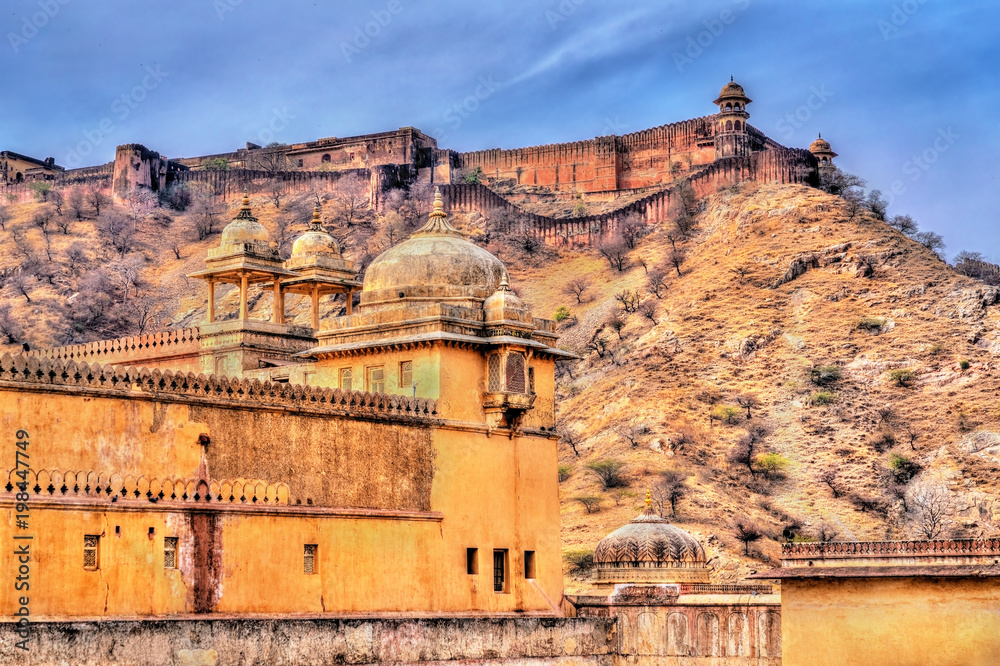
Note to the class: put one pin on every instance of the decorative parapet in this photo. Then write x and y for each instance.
(166, 343)
(861, 553)
(43, 484)
(46, 374)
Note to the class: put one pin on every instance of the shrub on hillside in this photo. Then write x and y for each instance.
(823, 398)
(564, 472)
(772, 465)
(725, 413)
(902, 376)
(903, 468)
(610, 472)
(562, 313)
(579, 560)
(823, 375)
(871, 324)
(592, 503)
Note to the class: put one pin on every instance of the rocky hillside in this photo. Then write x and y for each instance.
(786, 365)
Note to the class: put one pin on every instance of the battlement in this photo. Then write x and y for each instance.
(848, 553)
(169, 344)
(54, 374)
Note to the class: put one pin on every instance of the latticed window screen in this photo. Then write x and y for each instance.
(496, 380)
(515, 373)
(170, 552)
(90, 545)
(345, 379)
(406, 374)
(376, 379)
(309, 558)
(499, 570)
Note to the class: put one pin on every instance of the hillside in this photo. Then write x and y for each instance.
(776, 281)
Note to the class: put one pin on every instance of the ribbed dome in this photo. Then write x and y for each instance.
(315, 241)
(820, 145)
(649, 541)
(732, 91)
(435, 263)
(244, 227)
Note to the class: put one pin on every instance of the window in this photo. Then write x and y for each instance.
(309, 558)
(300, 164)
(500, 571)
(515, 373)
(495, 380)
(170, 552)
(737, 126)
(326, 157)
(91, 554)
(472, 561)
(529, 564)
(345, 379)
(531, 381)
(729, 125)
(406, 375)
(376, 379)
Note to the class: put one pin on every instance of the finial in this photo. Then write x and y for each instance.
(504, 285)
(649, 498)
(245, 213)
(316, 222)
(438, 210)
(821, 135)
(438, 224)
(731, 78)
(246, 198)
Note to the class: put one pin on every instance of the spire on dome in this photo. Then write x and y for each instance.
(438, 224)
(245, 213)
(316, 224)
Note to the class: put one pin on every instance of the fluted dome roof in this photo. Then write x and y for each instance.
(435, 263)
(820, 145)
(649, 541)
(245, 227)
(315, 241)
(734, 91)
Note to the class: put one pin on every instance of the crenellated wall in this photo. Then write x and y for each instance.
(177, 350)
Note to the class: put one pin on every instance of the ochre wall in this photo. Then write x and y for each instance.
(899, 621)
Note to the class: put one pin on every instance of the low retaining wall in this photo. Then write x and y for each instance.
(523, 640)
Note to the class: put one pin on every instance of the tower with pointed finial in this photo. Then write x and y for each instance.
(824, 154)
(731, 122)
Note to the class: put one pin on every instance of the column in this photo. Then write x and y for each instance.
(211, 301)
(278, 316)
(350, 301)
(244, 312)
(315, 307)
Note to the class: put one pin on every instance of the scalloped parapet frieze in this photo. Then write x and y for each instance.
(45, 484)
(873, 549)
(130, 380)
(164, 342)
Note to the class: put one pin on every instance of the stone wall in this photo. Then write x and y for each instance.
(497, 640)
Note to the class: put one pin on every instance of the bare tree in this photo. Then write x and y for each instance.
(648, 310)
(826, 531)
(747, 401)
(117, 231)
(829, 477)
(139, 203)
(205, 213)
(616, 252)
(76, 256)
(569, 435)
(912, 434)
(4, 216)
(629, 300)
(931, 510)
(632, 229)
(617, 324)
(632, 431)
(676, 258)
(576, 287)
(598, 345)
(10, 327)
(667, 491)
(97, 199)
(352, 201)
(903, 223)
(747, 531)
(932, 241)
(741, 272)
(592, 503)
(656, 282)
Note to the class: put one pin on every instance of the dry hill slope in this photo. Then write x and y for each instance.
(743, 320)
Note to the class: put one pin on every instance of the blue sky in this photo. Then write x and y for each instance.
(905, 90)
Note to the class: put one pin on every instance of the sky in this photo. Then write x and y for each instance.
(906, 91)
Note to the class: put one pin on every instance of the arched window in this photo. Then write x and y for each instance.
(729, 125)
(729, 107)
(737, 126)
(823, 161)
(326, 157)
(19, 177)
(736, 107)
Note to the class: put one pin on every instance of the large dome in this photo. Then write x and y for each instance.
(650, 550)
(435, 263)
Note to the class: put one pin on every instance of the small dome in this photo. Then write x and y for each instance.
(315, 241)
(732, 91)
(245, 227)
(435, 263)
(820, 145)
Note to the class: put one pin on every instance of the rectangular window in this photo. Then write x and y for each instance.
(495, 380)
(500, 571)
(376, 379)
(345, 379)
(531, 381)
(529, 564)
(515, 373)
(472, 561)
(91, 552)
(309, 558)
(406, 376)
(170, 552)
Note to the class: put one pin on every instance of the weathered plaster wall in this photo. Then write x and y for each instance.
(275, 642)
(900, 621)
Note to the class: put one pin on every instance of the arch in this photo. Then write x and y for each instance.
(769, 634)
(707, 635)
(326, 157)
(18, 177)
(729, 125)
(648, 635)
(678, 644)
(737, 125)
(736, 107)
(738, 633)
(729, 107)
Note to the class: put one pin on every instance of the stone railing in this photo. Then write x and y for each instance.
(43, 484)
(702, 588)
(131, 381)
(891, 549)
(180, 341)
